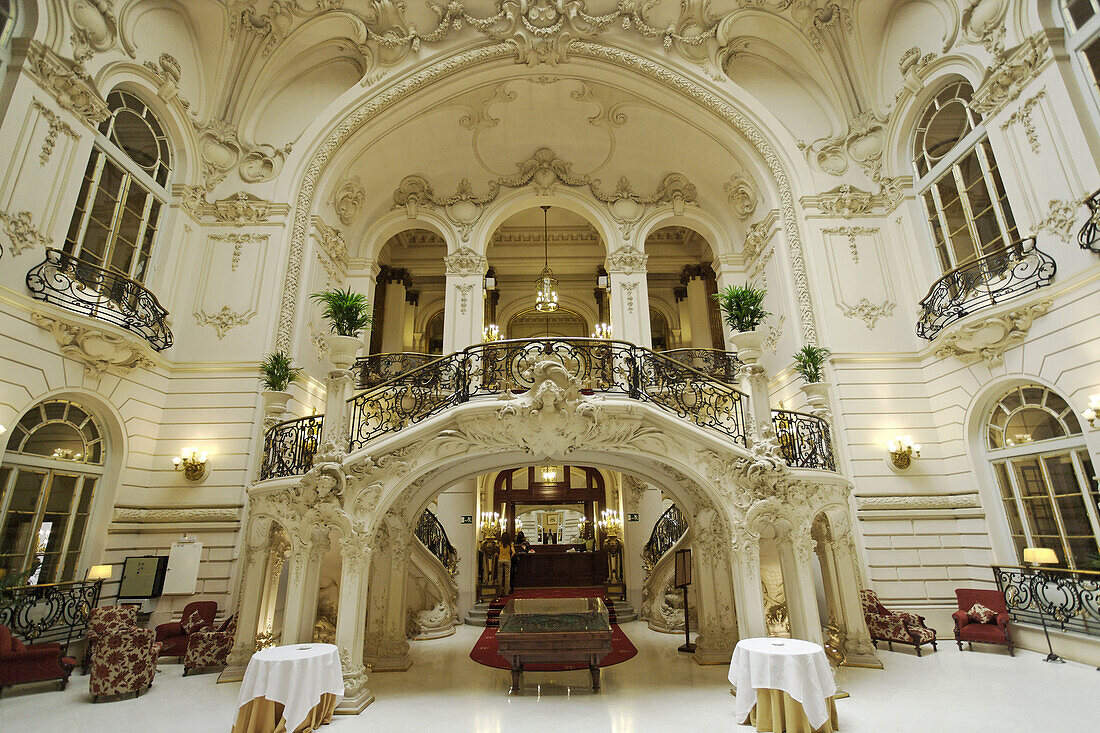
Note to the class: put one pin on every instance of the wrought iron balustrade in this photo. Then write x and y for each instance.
(1089, 236)
(374, 369)
(720, 365)
(804, 440)
(1068, 599)
(90, 290)
(599, 365)
(1018, 268)
(433, 536)
(289, 447)
(666, 531)
(52, 612)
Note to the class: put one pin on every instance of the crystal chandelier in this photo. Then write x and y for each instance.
(602, 331)
(549, 474)
(546, 287)
(490, 333)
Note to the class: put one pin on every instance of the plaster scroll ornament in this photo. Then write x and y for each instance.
(1005, 81)
(22, 234)
(756, 238)
(913, 61)
(67, 82)
(1061, 216)
(627, 261)
(989, 338)
(223, 151)
(983, 23)
(97, 349)
(54, 126)
(846, 201)
(867, 311)
(223, 321)
(1023, 117)
(348, 199)
(742, 195)
(465, 262)
(192, 200)
(168, 70)
(862, 144)
(242, 209)
(95, 27)
(332, 242)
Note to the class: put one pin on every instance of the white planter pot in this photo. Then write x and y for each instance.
(817, 395)
(275, 403)
(748, 344)
(342, 350)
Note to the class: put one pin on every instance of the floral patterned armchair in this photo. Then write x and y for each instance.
(891, 626)
(196, 616)
(210, 648)
(123, 662)
(20, 663)
(103, 621)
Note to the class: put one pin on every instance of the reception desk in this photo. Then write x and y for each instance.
(559, 569)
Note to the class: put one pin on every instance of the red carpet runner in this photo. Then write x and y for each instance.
(485, 651)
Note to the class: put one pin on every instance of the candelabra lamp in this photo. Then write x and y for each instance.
(902, 452)
(192, 462)
(1037, 557)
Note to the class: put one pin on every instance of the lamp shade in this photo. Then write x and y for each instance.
(99, 572)
(1040, 556)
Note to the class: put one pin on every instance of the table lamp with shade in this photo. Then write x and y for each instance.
(1037, 557)
(98, 572)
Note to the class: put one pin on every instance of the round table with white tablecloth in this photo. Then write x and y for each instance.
(783, 685)
(290, 688)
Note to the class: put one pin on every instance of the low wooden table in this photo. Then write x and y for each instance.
(554, 630)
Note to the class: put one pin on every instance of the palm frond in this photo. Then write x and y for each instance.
(348, 313)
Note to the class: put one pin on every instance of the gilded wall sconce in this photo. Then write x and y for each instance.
(902, 452)
(1092, 414)
(192, 462)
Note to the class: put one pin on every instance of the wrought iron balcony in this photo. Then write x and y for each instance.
(289, 447)
(89, 290)
(609, 367)
(666, 531)
(1089, 236)
(374, 369)
(1011, 271)
(51, 612)
(804, 440)
(1066, 599)
(720, 365)
(433, 536)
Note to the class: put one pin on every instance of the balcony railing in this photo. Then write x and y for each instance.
(804, 440)
(374, 369)
(432, 535)
(84, 288)
(289, 447)
(1089, 236)
(52, 612)
(609, 367)
(999, 276)
(720, 365)
(1066, 599)
(666, 531)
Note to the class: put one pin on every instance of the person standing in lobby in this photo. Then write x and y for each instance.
(505, 563)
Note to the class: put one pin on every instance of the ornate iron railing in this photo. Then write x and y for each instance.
(1089, 236)
(720, 365)
(84, 288)
(289, 447)
(1018, 268)
(804, 440)
(666, 531)
(374, 369)
(432, 535)
(1067, 599)
(610, 367)
(53, 612)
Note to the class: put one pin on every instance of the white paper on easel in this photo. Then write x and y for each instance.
(183, 568)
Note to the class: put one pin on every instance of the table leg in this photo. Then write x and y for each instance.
(595, 670)
(517, 678)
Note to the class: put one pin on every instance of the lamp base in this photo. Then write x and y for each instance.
(688, 647)
(1052, 657)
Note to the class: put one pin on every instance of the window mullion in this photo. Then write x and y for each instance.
(934, 189)
(116, 220)
(5, 497)
(968, 212)
(140, 238)
(994, 196)
(40, 510)
(74, 504)
(1084, 485)
(1025, 518)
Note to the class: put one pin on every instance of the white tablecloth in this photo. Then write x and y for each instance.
(799, 668)
(295, 675)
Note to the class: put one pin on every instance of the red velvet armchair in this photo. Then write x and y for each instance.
(209, 648)
(103, 621)
(196, 616)
(123, 662)
(998, 631)
(895, 626)
(20, 663)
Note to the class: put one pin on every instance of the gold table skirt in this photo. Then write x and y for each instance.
(777, 712)
(261, 715)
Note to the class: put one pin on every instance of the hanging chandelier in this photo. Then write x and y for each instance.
(546, 287)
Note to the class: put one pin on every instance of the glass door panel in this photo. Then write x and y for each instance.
(79, 525)
(1038, 507)
(20, 529)
(53, 531)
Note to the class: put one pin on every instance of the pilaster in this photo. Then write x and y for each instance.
(464, 321)
(629, 297)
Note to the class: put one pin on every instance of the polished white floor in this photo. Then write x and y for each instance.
(658, 690)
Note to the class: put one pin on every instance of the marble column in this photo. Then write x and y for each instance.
(746, 582)
(464, 322)
(339, 386)
(683, 339)
(798, 581)
(302, 586)
(248, 612)
(351, 621)
(698, 309)
(629, 296)
(859, 648)
(397, 282)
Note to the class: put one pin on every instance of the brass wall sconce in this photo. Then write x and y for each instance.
(490, 333)
(902, 452)
(601, 331)
(192, 462)
(1092, 414)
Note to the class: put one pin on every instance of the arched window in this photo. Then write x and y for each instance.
(53, 463)
(124, 190)
(958, 180)
(1082, 19)
(1044, 474)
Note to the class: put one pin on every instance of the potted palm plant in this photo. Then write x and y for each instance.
(809, 362)
(277, 372)
(348, 314)
(743, 307)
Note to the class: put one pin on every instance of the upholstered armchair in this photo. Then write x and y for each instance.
(210, 648)
(123, 662)
(895, 626)
(103, 621)
(196, 616)
(21, 663)
(990, 626)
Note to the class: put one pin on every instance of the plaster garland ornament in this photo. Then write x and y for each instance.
(989, 338)
(67, 82)
(630, 288)
(775, 332)
(1005, 81)
(465, 262)
(851, 233)
(238, 241)
(54, 126)
(22, 234)
(627, 261)
(348, 199)
(332, 242)
(742, 196)
(917, 503)
(176, 515)
(845, 201)
(756, 238)
(464, 293)
(242, 209)
(224, 320)
(1022, 116)
(868, 312)
(97, 349)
